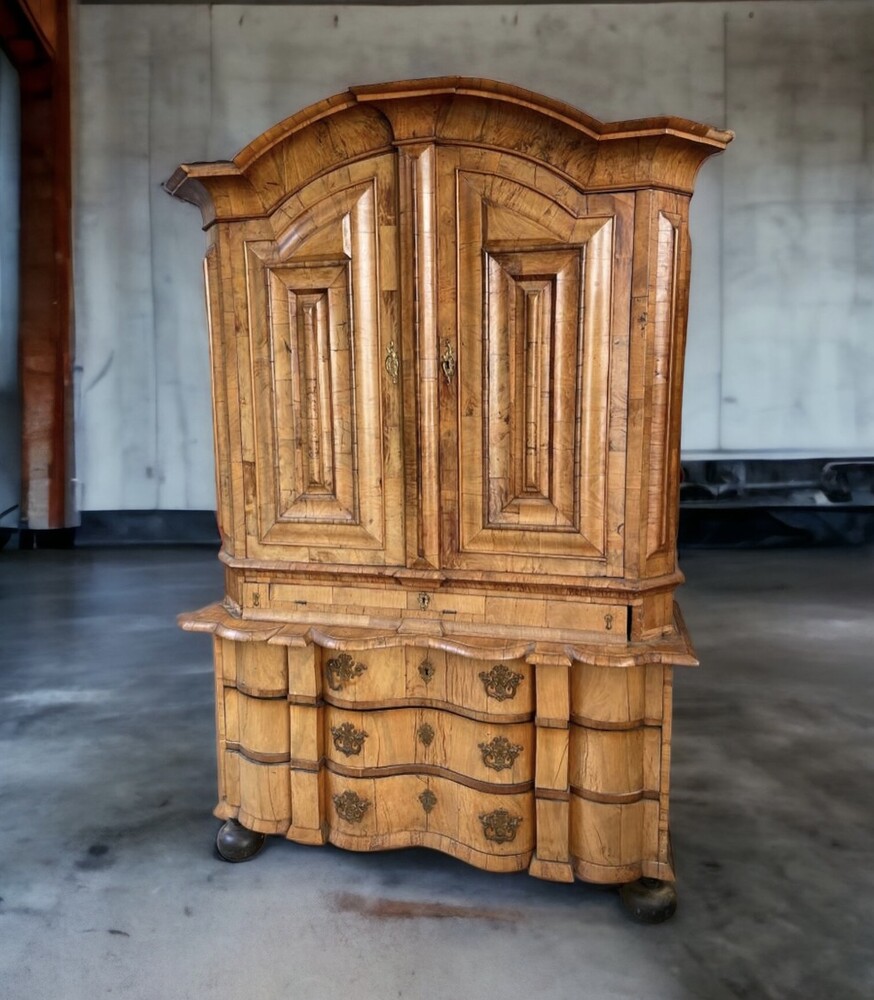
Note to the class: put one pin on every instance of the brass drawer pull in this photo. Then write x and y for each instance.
(499, 826)
(500, 753)
(351, 807)
(428, 800)
(392, 363)
(425, 734)
(343, 669)
(501, 682)
(347, 739)
(427, 671)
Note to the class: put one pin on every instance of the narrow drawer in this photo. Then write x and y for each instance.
(422, 738)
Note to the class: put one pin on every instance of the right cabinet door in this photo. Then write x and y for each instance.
(533, 325)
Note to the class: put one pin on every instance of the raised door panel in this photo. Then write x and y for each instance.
(322, 308)
(533, 416)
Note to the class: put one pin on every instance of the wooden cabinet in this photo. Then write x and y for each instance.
(447, 323)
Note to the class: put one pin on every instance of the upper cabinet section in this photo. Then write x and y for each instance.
(447, 321)
(653, 152)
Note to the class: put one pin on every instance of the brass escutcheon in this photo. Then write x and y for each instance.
(424, 601)
(499, 826)
(608, 622)
(347, 739)
(342, 669)
(500, 753)
(427, 671)
(501, 682)
(351, 807)
(447, 362)
(392, 363)
(428, 800)
(426, 734)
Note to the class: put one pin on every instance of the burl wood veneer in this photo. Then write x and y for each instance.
(447, 322)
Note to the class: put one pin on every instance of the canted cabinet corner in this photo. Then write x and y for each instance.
(447, 322)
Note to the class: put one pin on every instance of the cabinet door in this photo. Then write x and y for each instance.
(325, 439)
(533, 415)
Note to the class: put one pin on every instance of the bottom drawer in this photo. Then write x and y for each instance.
(488, 830)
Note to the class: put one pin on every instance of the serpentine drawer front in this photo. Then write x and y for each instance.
(447, 321)
(429, 741)
(475, 688)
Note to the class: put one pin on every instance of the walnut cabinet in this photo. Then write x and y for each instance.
(447, 323)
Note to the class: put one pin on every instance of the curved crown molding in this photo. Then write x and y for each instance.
(366, 120)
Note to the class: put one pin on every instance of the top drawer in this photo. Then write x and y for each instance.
(377, 678)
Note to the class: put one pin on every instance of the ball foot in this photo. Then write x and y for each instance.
(649, 900)
(235, 843)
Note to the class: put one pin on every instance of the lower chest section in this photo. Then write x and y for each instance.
(509, 764)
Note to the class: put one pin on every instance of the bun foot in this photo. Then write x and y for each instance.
(649, 900)
(235, 843)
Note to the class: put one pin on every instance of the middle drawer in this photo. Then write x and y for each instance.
(428, 740)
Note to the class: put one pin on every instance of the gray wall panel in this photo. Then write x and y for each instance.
(781, 296)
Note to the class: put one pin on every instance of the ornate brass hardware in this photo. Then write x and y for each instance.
(392, 363)
(501, 682)
(428, 800)
(447, 361)
(256, 600)
(608, 622)
(425, 734)
(342, 669)
(351, 807)
(500, 753)
(427, 671)
(500, 826)
(347, 739)
(424, 601)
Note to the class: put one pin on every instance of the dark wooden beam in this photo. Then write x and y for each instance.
(36, 38)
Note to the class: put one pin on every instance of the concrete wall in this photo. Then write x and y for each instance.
(781, 357)
(10, 138)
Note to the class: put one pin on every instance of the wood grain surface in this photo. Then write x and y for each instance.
(447, 325)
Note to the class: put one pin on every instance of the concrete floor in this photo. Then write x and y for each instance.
(109, 884)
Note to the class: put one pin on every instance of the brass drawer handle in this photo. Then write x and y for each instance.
(425, 734)
(427, 671)
(428, 800)
(392, 363)
(501, 682)
(347, 739)
(500, 753)
(343, 669)
(351, 807)
(499, 826)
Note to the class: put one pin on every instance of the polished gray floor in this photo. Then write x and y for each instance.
(109, 886)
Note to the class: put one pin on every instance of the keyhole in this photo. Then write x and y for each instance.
(608, 622)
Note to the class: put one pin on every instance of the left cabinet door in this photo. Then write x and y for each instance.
(322, 470)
